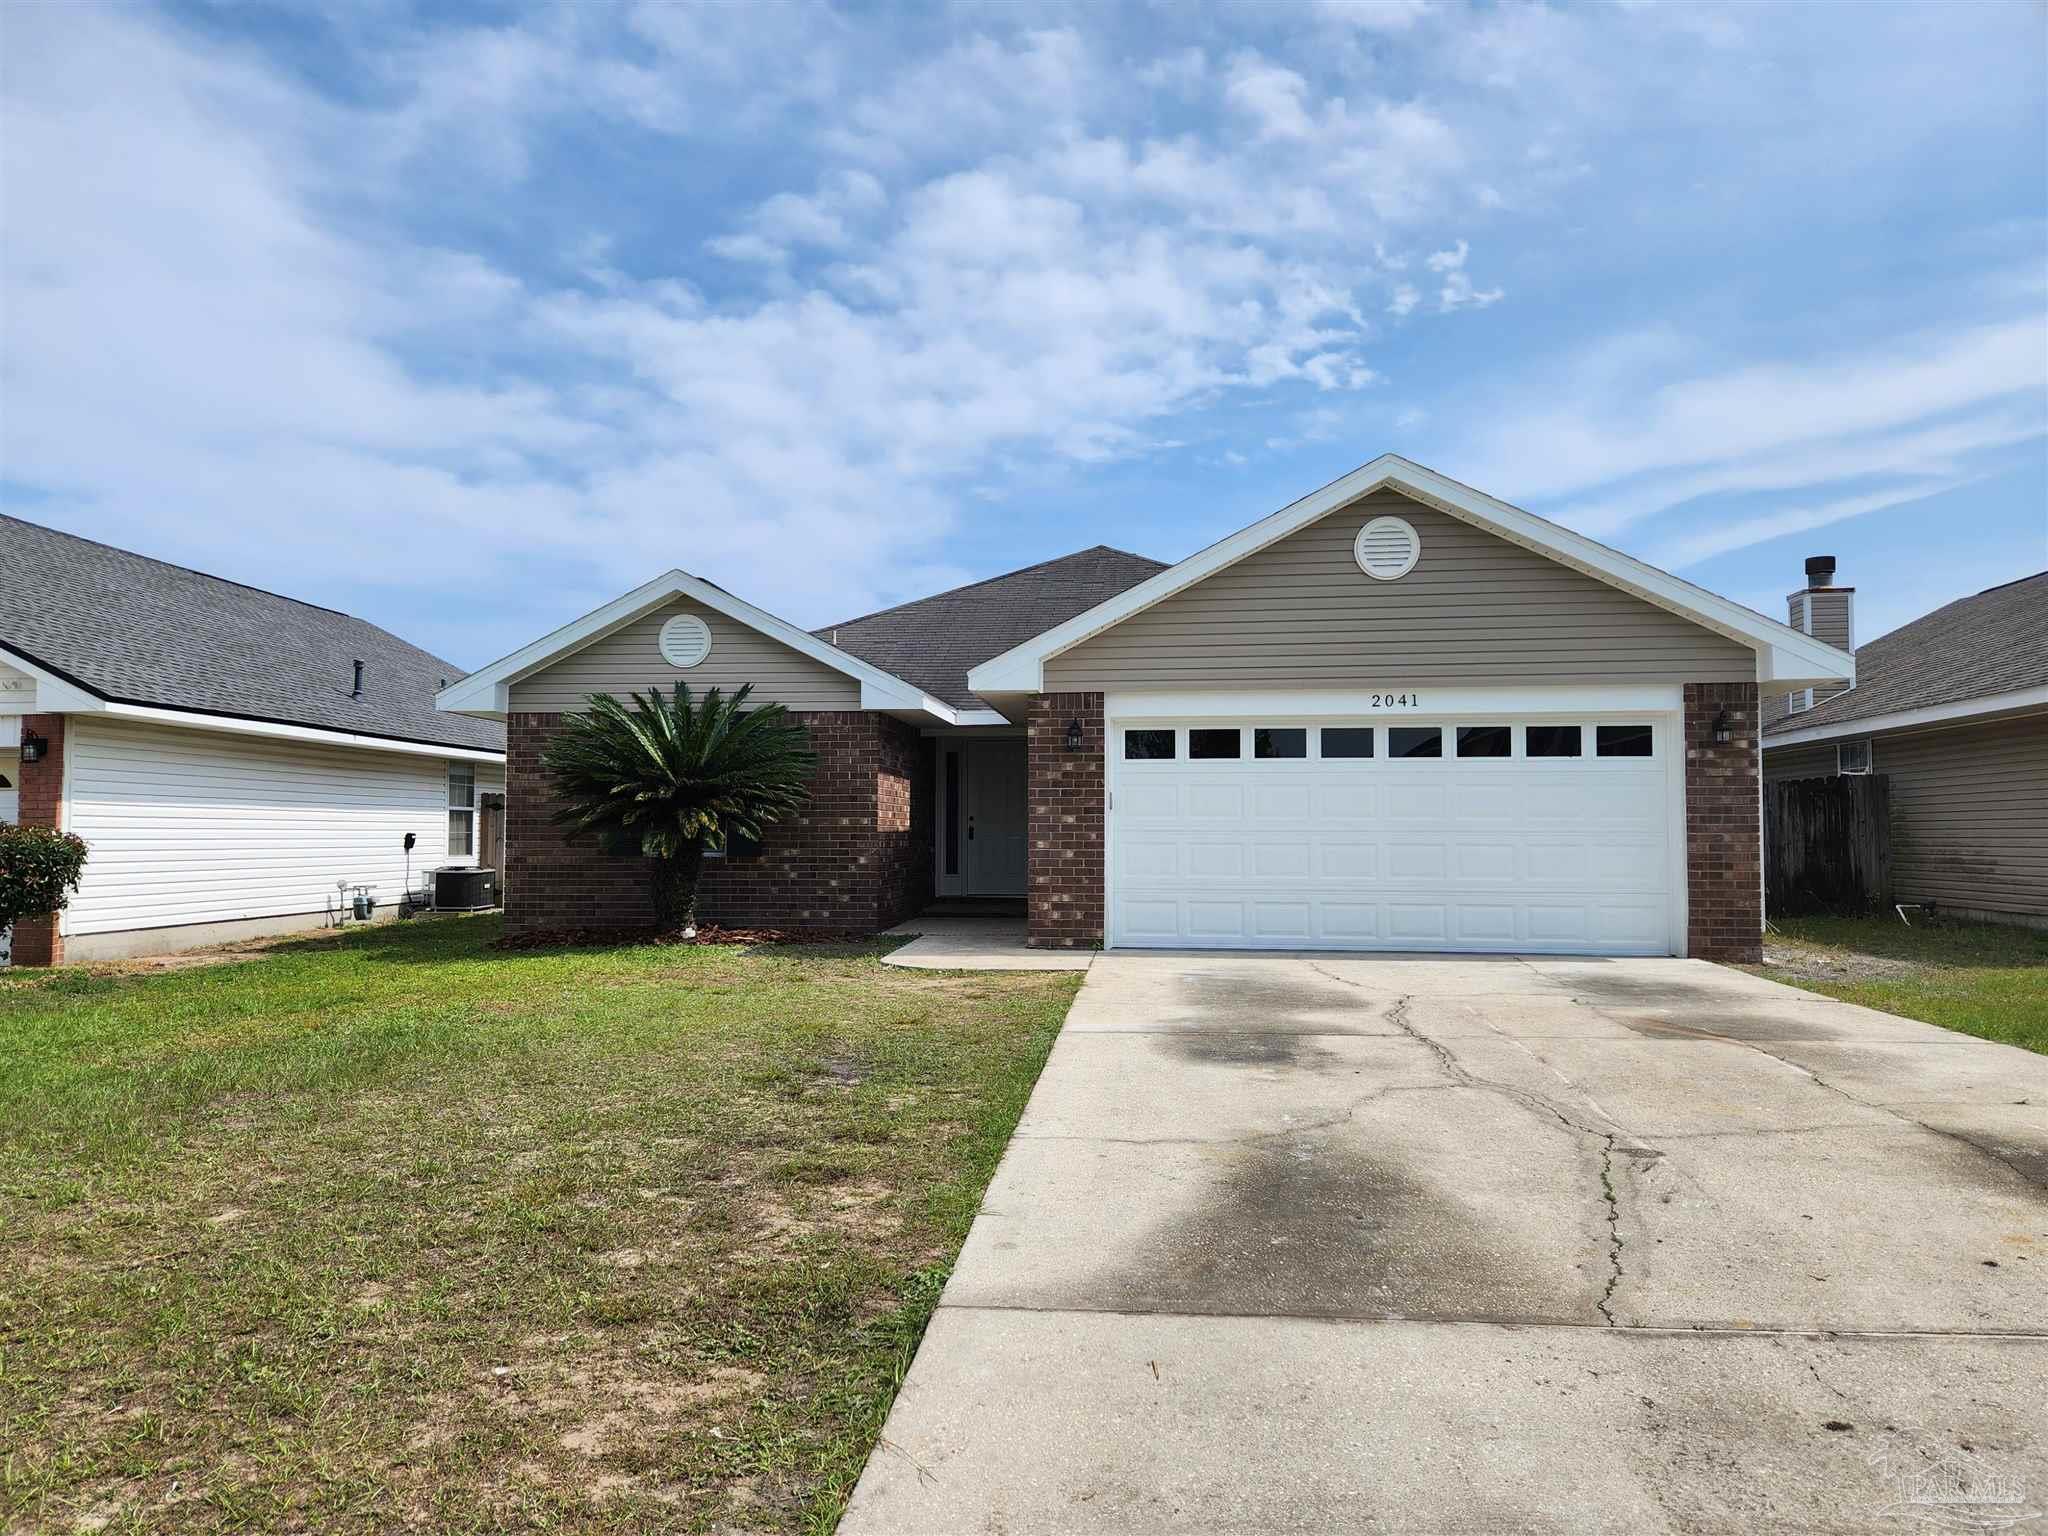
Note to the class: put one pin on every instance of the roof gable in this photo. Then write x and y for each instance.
(486, 691)
(120, 627)
(1472, 609)
(1785, 657)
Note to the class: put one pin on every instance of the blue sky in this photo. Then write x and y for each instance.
(468, 319)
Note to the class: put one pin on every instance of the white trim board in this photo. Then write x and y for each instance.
(55, 696)
(1428, 703)
(1903, 719)
(231, 725)
(487, 691)
(1786, 659)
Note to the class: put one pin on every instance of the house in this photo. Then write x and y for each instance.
(1953, 710)
(1396, 714)
(236, 761)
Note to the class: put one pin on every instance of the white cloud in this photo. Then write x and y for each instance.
(1182, 72)
(1458, 292)
(1452, 260)
(1616, 412)
(1721, 538)
(839, 274)
(1374, 15)
(1273, 97)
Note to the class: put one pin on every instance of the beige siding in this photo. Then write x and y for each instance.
(1970, 814)
(1828, 622)
(1969, 810)
(630, 659)
(1830, 615)
(1476, 609)
(1815, 760)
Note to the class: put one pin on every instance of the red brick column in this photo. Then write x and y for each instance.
(1724, 880)
(36, 939)
(1067, 798)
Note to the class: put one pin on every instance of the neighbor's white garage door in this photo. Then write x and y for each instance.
(1524, 833)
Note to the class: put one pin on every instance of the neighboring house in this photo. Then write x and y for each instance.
(231, 757)
(1953, 710)
(1397, 714)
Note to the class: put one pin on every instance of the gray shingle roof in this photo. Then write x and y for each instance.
(935, 640)
(1993, 643)
(139, 631)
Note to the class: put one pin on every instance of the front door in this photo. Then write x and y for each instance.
(995, 818)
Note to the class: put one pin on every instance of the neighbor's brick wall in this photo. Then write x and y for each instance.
(1723, 826)
(846, 861)
(36, 939)
(1066, 803)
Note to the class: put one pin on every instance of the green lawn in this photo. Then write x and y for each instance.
(1975, 977)
(393, 1229)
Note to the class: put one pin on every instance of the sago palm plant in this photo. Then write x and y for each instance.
(671, 775)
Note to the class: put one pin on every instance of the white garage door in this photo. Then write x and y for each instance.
(1526, 833)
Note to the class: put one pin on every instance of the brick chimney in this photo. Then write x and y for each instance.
(1826, 612)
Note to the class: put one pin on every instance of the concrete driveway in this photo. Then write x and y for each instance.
(1385, 1244)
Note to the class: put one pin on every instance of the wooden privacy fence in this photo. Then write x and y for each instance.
(1827, 845)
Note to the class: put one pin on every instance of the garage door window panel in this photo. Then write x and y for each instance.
(1551, 741)
(1624, 740)
(1209, 745)
(1148, 746)
(1344, 742)
(1273, 742)
(1486, 741)
(1410, 741)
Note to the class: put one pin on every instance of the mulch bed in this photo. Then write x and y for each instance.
(707, 933)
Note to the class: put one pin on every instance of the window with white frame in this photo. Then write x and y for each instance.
(461, 810)
(1853, 756)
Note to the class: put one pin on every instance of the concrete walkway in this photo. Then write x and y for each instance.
(978, 944)
(1347, 1244)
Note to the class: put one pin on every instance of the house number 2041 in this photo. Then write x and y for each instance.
(1397, 701)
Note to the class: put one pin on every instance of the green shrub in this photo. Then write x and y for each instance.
(39, 869)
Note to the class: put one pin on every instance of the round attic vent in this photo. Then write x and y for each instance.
(685, 640)
(1387, 548)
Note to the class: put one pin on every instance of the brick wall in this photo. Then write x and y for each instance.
(851, 859)
(1723, 825)
(36, 939)
(1067, 796)
(904, 795)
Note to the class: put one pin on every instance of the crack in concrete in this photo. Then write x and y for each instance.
(1398, 1016)
(1249, 1138)
(1842, 1093)
(1614, 1239)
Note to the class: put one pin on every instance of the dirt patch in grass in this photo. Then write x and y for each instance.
(1811, 963)
(404, 1232)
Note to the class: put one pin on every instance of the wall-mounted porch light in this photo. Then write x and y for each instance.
(1723, 726)
(33, 747)
(1074, 735)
